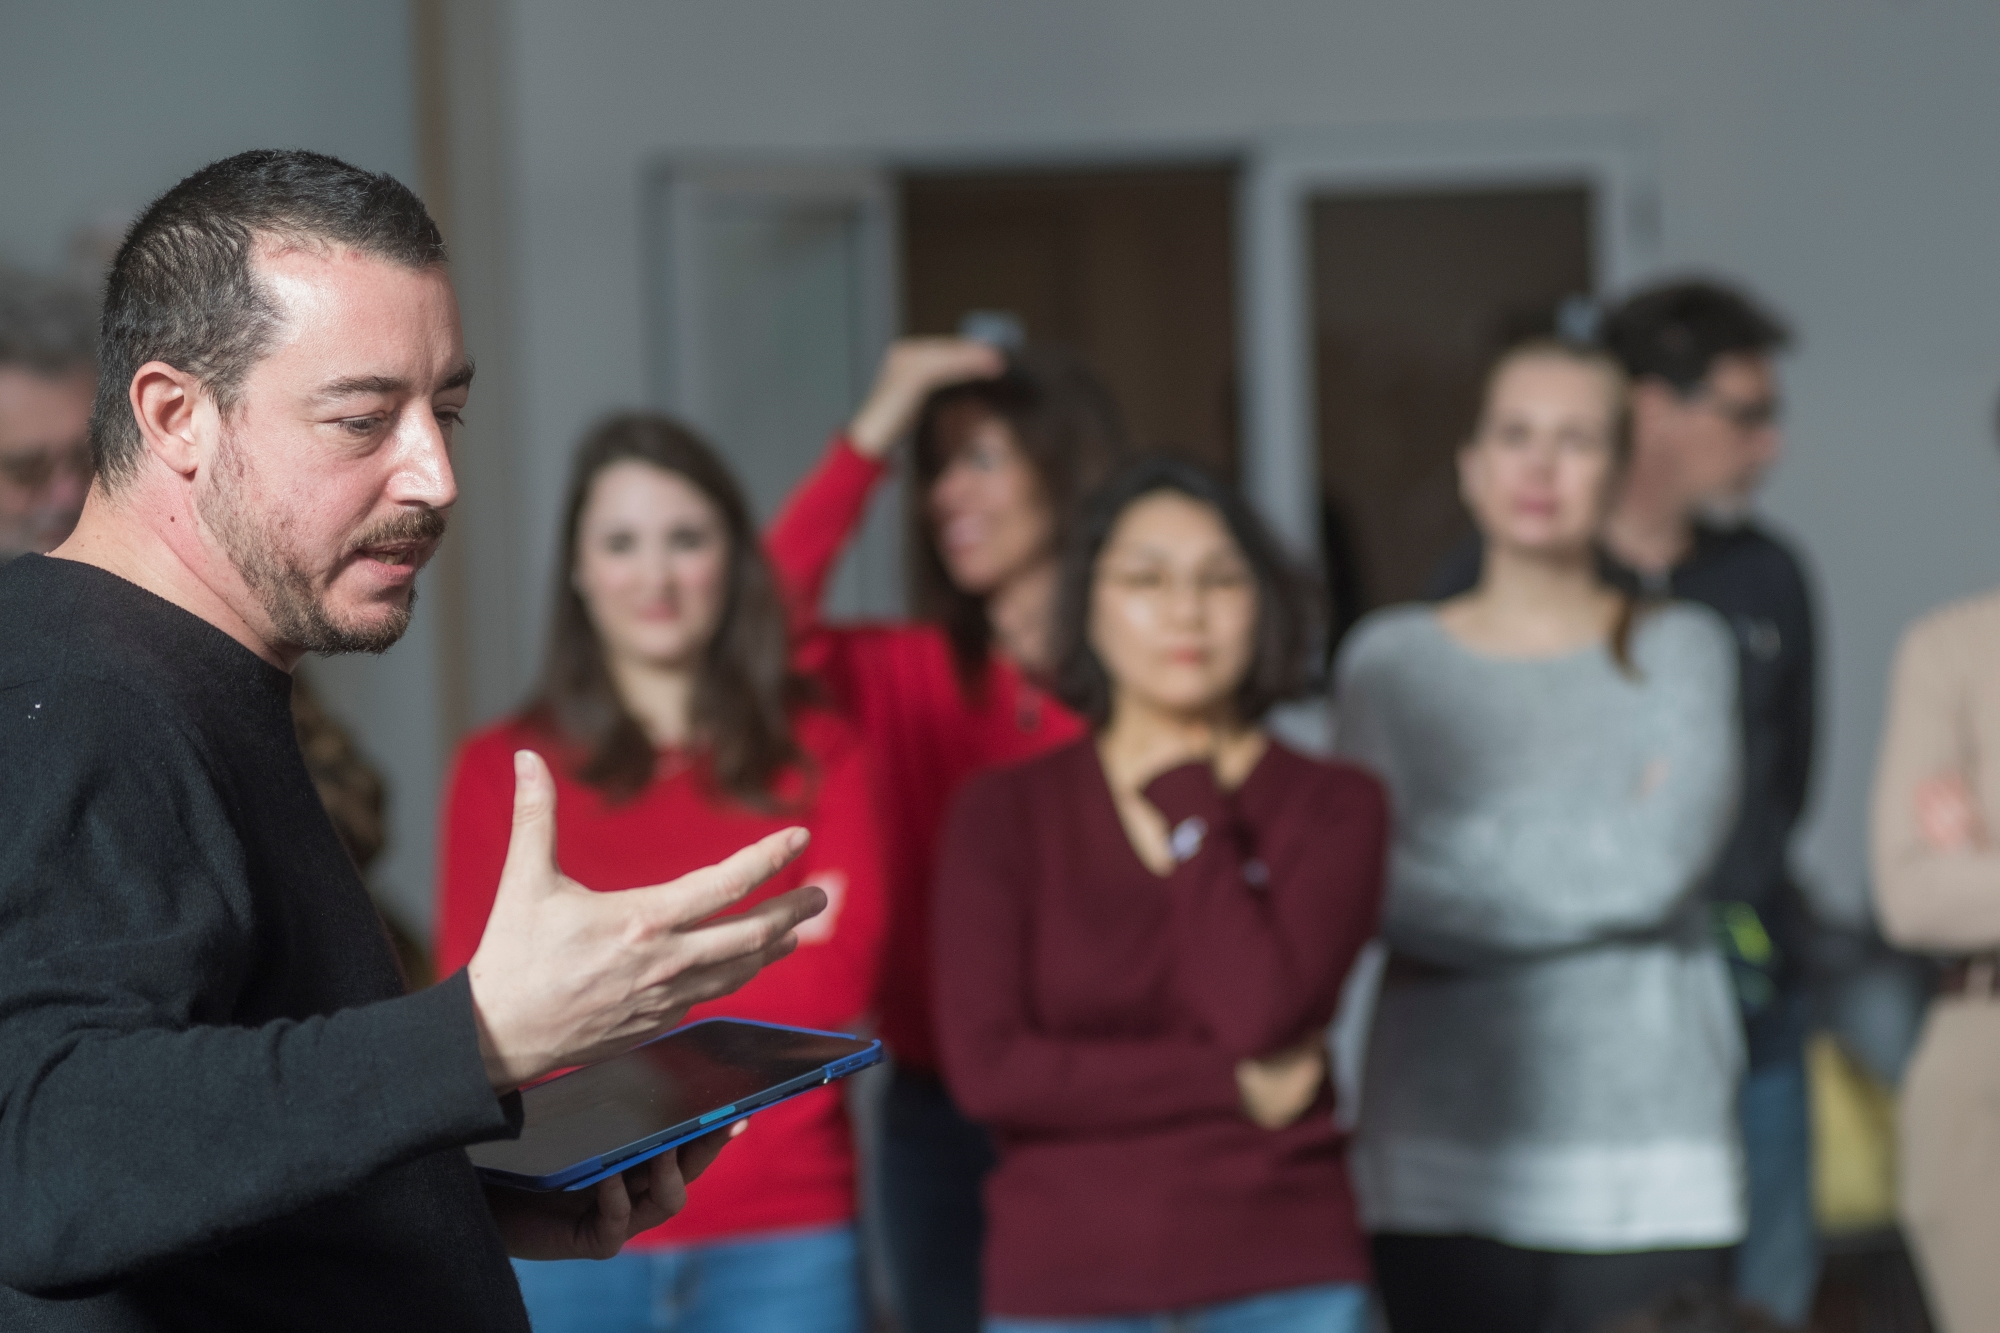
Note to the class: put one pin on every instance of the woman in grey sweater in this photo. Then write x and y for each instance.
(1547, 1132)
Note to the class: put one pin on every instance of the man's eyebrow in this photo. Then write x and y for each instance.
(355, 385)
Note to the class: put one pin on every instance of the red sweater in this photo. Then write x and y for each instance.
(899, 684)
(1091, 1015)
(794, 1165)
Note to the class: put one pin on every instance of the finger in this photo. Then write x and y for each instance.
(696, 1156)
(666, 1186)
(968, 358)
(752, 930)
(702, 893)
(602, 1232)
(531, 846)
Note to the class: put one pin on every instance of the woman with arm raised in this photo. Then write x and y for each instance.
(1002, 447)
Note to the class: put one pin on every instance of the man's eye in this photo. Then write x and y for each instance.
(361, 425)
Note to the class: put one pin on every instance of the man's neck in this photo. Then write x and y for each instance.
(1651, 527)
(155, 543)
(660, 699)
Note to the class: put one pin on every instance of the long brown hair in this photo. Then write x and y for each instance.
(1066, 426)
(1631, 608)
(745, 687)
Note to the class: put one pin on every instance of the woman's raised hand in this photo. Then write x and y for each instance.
(912, 370)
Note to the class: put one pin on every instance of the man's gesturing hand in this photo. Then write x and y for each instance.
(564, 976)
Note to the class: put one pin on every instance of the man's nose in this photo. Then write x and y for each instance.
(424, 473)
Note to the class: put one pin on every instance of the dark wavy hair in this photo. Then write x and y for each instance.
(1281, 663)
(1065, 424)
(745, 690)
(1676, 331)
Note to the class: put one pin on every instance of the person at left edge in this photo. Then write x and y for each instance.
(218, 1109)
(676, 731)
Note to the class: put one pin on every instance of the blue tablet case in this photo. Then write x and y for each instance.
(585, 1173)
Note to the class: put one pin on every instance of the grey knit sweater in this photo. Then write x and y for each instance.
(1555, 1053)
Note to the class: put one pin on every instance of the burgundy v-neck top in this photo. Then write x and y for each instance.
(1091, 1014)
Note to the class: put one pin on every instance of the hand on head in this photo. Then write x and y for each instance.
(912, 370)
(564, 976)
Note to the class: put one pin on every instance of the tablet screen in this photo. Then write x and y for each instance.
(595, 1111)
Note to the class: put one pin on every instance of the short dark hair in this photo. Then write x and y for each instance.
(1281, 663)
(46, 326)
(182, 289)
(1066, 425)
(1676, 331)
(745, 687)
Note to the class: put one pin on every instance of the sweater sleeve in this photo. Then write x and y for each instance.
(1004, 1070)
(1270, 912)
(1561, 869)
(814, 524)
(137, 1123)
(1930, 899)
(478, 822)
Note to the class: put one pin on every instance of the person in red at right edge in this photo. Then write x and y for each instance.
(1140, 940)
(1003, 446)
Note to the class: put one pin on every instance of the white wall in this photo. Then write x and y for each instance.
(1837, 155)
(109, 103)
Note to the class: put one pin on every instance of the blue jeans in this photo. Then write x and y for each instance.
(1777, 1265)
(1779, 1259)
(785, 1282)
(1333, 1307)
(929, 1166)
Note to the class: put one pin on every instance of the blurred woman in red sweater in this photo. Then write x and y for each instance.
(1003, 446)
(674, 727)
(1140, 939)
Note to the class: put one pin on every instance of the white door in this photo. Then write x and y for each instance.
(774, 295)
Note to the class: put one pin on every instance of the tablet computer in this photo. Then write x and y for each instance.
(590, 1123)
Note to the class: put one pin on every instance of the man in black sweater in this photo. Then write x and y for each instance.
(1704, 434)
(218, 1110)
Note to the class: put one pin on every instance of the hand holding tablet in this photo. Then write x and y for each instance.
(590, 1124)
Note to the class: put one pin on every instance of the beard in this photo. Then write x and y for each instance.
(255, 544)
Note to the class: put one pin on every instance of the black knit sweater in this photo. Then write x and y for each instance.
(218, 1109)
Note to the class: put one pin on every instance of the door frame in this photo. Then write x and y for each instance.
(1615, 159)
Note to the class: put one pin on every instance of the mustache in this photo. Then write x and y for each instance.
(423, 525)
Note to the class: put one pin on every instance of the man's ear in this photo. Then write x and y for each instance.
(166, 404)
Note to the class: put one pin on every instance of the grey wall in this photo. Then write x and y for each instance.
(1837, 155)
(107, 104)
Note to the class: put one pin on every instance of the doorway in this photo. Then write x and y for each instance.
(1412, 295)
(1133, 269)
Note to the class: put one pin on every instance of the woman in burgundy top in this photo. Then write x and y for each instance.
(1002, 444)
(1139, 941)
